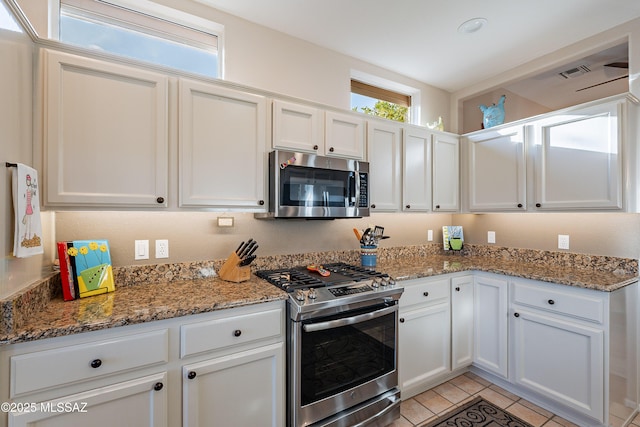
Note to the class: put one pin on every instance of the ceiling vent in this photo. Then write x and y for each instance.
(575, 72)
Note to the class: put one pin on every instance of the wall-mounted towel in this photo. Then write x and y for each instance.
(28, 230)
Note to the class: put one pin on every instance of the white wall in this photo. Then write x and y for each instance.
(16, 106)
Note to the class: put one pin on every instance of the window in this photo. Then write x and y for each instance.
(119, 29)
(379, 102)
(7, 21)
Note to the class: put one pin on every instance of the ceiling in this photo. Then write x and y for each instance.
(419, 38)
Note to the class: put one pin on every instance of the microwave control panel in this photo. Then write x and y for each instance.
(364, 190)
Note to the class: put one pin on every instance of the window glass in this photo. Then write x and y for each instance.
(7, 21)
(128, 33)
(379, 102)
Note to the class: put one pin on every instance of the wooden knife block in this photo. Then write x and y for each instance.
(232, 272)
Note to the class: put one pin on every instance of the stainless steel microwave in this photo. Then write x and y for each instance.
(309, 186)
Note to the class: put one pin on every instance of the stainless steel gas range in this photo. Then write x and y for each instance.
(342, 340)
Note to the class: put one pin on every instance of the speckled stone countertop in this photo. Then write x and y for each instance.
(138, 304)
(414, 268)
(156, 292)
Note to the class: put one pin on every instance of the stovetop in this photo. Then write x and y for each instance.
(346, 286)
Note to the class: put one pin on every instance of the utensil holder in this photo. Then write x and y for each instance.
(232, 272)
(368, 255)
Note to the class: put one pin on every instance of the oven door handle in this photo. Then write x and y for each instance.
(313, 327)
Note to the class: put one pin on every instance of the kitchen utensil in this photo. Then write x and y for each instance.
(319, 269)
(251, 251)
(357, 233)
(239, 248)
(248, 260)
(246, 249)
(378, 231)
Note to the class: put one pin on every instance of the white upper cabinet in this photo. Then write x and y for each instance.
(578, 159)
(416, 179)
(105, 133)
(307, 129)
(222, 140)
(344, 135)
(446, 169)
(496, 170)
(383, 143)
(297, 127)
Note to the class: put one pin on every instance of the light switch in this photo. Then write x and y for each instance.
(429, 235)
(563, 241)
(491, 236)
(141, 249)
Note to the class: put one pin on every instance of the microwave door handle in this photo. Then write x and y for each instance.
(322, 326)
(354, 187)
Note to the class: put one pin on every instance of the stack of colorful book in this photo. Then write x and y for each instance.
(85, 268)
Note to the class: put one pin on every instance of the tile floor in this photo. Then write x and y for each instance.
(424, 407)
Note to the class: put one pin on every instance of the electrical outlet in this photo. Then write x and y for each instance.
(141, 249)
(162, 248)
(491, 236)
(430, 235)
(563, 241)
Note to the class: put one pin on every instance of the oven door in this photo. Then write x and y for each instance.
(340, 361)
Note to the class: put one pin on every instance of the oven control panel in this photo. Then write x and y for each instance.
(350, 290)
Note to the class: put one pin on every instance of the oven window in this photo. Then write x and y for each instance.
(302, 186)
(335, 360)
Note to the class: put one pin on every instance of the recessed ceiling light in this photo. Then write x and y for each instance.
(472, 25)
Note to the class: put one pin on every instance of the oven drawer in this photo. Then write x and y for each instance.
(230, 331)
(61, 366)
(421, 291)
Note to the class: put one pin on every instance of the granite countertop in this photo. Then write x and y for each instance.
(413, 268)
(168, 291)
(140, 304)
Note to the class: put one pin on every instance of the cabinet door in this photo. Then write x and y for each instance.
(416, 182)
(140, 402)
(560, 359)
(243, 389)
(490, 307)
(578, 159)
(383, 143)
(497, 170)
(461, 321)
(344, 135)
(446, 167)
(297, 128)
(106, 133)
(222, 147)
(424, 347)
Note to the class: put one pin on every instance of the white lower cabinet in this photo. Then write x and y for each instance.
(141, 375)
(461, 322)
(139, 402)
(424, 335)
(490, 323)
(559, 359)
(570, 350)
(242, 389)
(558, 344)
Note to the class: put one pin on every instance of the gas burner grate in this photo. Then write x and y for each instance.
(290, 279)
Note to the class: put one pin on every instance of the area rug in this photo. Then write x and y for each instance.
(478, 413)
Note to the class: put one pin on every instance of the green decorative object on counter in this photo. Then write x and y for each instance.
(455, 243)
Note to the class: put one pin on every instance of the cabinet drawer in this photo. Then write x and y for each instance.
(51, 368)
(424, 292)
(229, 331)
(572, 302)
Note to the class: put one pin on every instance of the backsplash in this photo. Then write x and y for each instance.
(26, 303)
